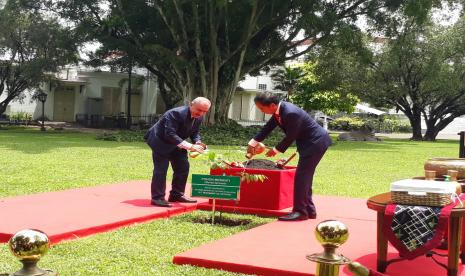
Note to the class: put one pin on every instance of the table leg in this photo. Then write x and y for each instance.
(455, 232)
(382, 244)
(462, 242)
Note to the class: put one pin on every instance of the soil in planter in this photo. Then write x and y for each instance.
(261, 164)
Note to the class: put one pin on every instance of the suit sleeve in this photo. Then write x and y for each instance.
(291, 132)
(266, 130)
(195, 136)
(171, 125)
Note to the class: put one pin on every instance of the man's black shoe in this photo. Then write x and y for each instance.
(181, 199)
(294, 216)
(160, 202)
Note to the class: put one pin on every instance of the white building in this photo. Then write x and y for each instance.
(98, 98)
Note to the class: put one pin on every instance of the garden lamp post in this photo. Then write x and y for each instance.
(42, 97)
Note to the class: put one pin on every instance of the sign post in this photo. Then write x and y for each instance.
(215, 186)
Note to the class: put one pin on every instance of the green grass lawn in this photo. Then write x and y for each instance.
(33, 162)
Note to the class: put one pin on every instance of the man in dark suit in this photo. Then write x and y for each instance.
(312, 142)
(167, 139)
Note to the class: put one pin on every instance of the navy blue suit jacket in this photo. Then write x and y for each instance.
(298, 126)
(174, 126)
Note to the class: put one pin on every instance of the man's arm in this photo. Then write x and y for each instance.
(291, 132)
(266, 130)
(171, 126)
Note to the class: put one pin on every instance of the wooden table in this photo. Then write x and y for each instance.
(456, 234)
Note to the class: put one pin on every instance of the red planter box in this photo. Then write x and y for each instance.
(275, 193)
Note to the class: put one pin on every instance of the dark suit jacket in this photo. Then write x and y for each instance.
(174, 126)
(298, 126)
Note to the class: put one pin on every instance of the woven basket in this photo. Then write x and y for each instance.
(430, 199)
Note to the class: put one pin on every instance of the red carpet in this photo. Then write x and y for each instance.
(81, 212)
(280, 248)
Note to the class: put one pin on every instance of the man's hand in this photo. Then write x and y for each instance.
(202, 145)
(197, 148)
(270, 153)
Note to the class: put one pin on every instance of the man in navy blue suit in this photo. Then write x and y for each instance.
(167, 139)
(312, 142)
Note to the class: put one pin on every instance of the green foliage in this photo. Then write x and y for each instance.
(310, 93)
(21, 116)
(235, 134)
(287, 79)
(346, 123)
(388, 124)
(329, 102)
(123, 136)
(384, 124)
(206, 47)
(31, 47)
(418, 69)
(219, 134)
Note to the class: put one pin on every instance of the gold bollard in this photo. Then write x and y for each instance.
(29, 246)
(331, 234)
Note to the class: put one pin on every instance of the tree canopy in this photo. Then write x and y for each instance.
(203, 48)
(419, 70)
(31, 47)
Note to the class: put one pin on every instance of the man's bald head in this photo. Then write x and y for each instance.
(199, 107)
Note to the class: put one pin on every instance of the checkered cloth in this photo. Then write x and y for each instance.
(415, 225)
(415, 230)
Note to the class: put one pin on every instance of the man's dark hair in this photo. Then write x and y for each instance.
(267, 98)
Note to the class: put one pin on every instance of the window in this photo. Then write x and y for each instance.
(262, 86)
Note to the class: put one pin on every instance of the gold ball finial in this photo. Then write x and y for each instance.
(29, 244)
(331, 233)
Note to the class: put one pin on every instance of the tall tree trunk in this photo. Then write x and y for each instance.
(433, 127)
(431, 130)
(415, 122)
(3, 106)
(169, 98)
(416, 129)
(129, 119)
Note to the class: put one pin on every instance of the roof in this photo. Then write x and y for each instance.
(366, 109)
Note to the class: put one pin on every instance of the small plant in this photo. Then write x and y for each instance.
(217, 162)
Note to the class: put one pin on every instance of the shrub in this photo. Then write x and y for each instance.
(21, 116)
(384, 124)
(220, 134)
(346, 123)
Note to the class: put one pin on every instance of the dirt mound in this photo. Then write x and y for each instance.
(261, 164)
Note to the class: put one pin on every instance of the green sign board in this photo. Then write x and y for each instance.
(216, 186)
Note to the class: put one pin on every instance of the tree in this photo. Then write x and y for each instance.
(287, 79)
(203, 48)
(422, 73)
(31, 48)
(314, 94)
(419, 71)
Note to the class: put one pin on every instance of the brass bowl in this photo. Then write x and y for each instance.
(442, 164)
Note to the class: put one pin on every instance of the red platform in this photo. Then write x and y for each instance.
(81, 212)
(275, 193)
(280, 248)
